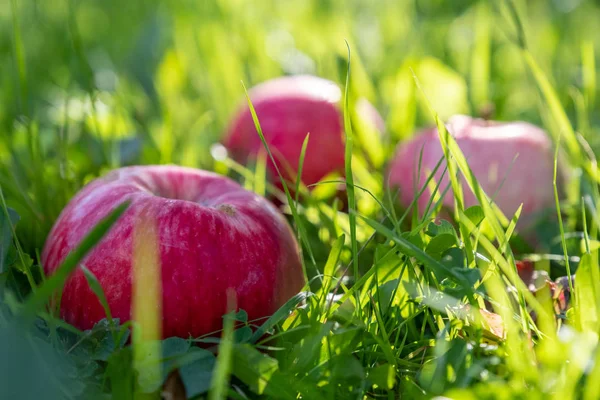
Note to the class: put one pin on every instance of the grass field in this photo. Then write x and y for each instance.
(88, 86)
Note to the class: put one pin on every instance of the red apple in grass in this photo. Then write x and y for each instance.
(288, 108)
(213, 235)
(490, 149)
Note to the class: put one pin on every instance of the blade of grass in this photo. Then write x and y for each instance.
(330, 265)
(262, 374)
(560, 222)
(354, 289)
(514, 18)
(419, 192)
(492, 212)
(56, 280)
(507, 268)
(99, 292)
(223, 368)
(17, 243)
(586, 236)
(349, 176)
(519, 353)
(19, 56)
(480, 58)
(413, 251)
(588, 64)
(279, 315)
(454, 157)
(564, 127)
(146, 302)
(511, 228)
(592, 386)
(367, 191)
(249, 176)
(33, 142)
(260, 174)
(385, 344)
(291, 203)
(301, 166)
(558, 113)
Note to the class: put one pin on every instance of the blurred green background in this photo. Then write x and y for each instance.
(90, 85)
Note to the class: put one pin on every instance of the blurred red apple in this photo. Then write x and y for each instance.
(213, 236)
(490, 149)
(288, 108)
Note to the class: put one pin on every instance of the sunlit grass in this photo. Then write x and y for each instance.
(397, 303)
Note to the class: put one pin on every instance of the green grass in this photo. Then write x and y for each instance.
(393, 302)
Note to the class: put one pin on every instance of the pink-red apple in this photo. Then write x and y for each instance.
(213, 236)
(288, 108)
(512, 161)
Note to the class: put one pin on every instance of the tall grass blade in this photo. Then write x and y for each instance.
(301, 166)
(291, 203)
(54, 282)
(224, 366)
(349, 176)
(146, 301)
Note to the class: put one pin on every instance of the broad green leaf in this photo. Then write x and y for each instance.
(440, 243)
(256, 370)
(443, 228)
(197, 374)
(240, 316)
(475, 214)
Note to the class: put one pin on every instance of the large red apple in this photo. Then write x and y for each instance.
(288, 108)
(490, 149)
(213, 235)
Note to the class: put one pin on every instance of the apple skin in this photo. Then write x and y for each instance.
(213, 235)
(288, 108)
(490, 149)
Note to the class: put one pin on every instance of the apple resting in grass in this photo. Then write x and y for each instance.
(490, 149)
(288, 108)
(213, 235)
